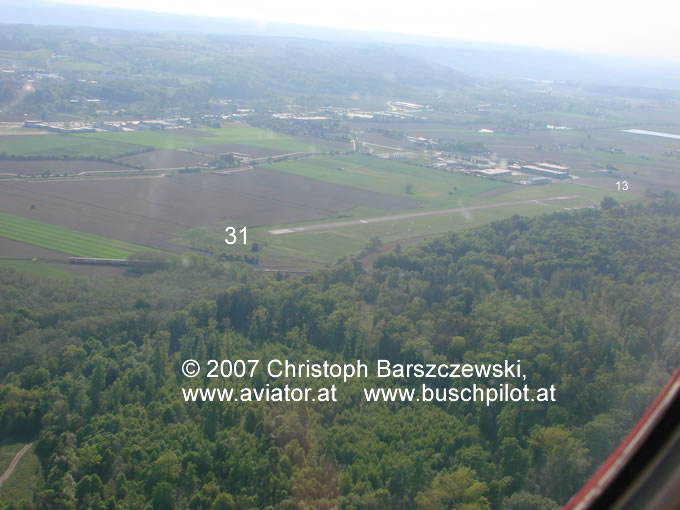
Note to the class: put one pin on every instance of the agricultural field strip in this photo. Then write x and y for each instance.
(70, 248)
(56, 242)
(111, 213)
(323, 226)
(63, 239)
(251, 197)
(74, 145)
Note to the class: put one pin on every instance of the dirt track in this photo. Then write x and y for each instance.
(8, 472)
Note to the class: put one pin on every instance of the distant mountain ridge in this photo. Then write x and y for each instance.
(235, 65)
(474, 58)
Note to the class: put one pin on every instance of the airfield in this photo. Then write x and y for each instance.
(306, 201)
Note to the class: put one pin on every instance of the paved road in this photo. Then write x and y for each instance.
(73, 179)
(233, 170)
(84, 177)
(381, 219)
(5, 476)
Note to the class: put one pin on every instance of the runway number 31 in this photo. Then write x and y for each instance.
(232, 238)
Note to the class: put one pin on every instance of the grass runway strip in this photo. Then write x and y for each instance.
(463, 210)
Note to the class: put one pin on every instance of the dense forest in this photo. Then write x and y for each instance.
(588, 300)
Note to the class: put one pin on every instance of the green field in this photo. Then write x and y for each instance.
(23, 482)
(308, 250)
(65, 145)
(229, 133)
(436, 188)
(627, 163)
(111, 144)
(64, 240)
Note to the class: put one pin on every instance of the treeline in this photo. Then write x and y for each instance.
(329, 129)
(5, 156)
(464, 147)
(587, 300)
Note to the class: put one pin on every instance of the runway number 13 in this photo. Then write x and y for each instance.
(622, 185)
(232, 238)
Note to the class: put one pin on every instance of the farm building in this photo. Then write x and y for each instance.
(552, 166)
(545, 172)
(494, 172)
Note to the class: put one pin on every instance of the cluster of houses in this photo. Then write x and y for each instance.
(93, 127)
(396, 109)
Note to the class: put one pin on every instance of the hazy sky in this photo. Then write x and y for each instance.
(646, 28)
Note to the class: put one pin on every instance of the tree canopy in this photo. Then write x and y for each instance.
(587, 300)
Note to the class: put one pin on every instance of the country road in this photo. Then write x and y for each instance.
(381, 219)
(8, 472)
